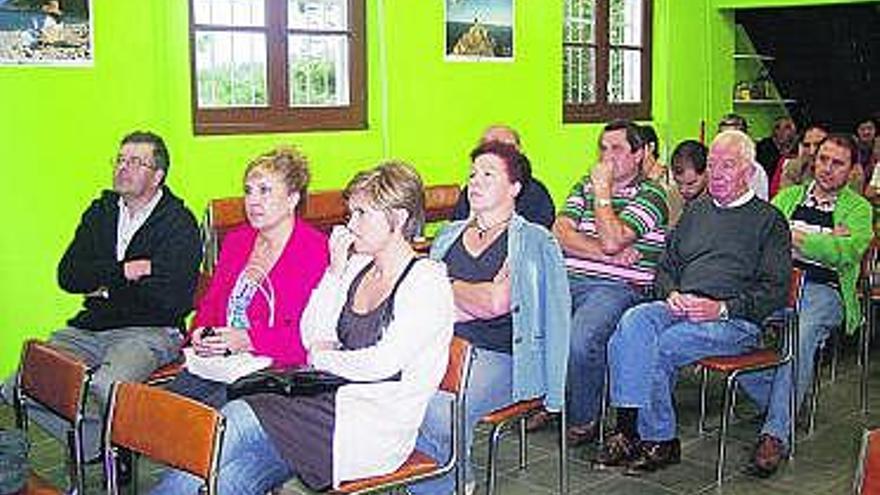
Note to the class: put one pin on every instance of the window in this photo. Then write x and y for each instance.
(277, 65)
(606, 68)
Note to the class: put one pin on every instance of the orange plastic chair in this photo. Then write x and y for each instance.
(420, 466)
(761, 359)
(58, 381)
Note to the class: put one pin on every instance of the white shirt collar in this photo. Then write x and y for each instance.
(128, 224)
(745, 198)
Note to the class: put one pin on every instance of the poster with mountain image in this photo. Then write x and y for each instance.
(479, 30)
(46, 32)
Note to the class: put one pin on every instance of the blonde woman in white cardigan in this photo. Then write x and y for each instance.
(379, 315)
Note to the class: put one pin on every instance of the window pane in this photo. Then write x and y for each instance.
(625, 22)
(230, 12)
(579, 74)
(579, 21)
(230, 69)
(317, 15)
(318, 70)
(625, 78)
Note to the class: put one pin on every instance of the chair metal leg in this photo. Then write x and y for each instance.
(492, 468)
(563, 453)
(865, 337)
(726, 412)
(701, 425)
(835, 346)
(814, 402)
(523, 443)
(603, 411)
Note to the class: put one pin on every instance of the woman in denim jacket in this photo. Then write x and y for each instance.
(512, 303)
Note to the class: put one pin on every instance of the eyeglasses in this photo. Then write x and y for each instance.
(131, 162)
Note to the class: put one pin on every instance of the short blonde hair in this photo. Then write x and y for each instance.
(738, 140)
(392, 185)
(289, 164)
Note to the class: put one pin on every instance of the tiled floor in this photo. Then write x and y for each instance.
(824, 463)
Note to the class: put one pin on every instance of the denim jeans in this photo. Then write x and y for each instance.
(249, 463)
(649, 347)
(488, 389)
(821, 311)
(597, 305)
(120, 354)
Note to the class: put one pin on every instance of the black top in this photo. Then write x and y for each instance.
(533, 203)
(739, 255)
(824, 220)
(767, 154)
(169, 239)
(495, 334)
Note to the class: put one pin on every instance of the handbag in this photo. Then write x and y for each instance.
(292, 382)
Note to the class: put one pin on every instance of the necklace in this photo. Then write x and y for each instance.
(482, 231)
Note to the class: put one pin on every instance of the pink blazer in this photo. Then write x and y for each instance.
(297, 271)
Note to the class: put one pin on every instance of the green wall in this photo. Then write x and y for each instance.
(59, 127)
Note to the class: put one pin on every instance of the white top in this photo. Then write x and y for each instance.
(760, 184)
(377, 423)
(128, 223)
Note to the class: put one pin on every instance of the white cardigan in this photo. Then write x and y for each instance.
(377, 423)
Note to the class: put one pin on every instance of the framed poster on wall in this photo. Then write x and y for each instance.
(479, 30)
(46, 32)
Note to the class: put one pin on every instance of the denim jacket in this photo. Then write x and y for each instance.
(540, 305)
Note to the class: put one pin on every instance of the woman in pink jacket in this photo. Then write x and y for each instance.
(266, 272)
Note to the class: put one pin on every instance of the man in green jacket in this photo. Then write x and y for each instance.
(830, 230)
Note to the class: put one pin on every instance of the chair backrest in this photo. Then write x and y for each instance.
(322, 209)
(867, 479)
(53, 377)
(168, 428)
(458, 367)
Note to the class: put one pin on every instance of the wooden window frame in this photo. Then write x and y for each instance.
(278, 115)
(602, 110)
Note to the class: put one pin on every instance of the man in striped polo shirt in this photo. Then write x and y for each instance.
(611, 231)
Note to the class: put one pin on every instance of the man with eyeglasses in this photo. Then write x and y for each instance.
(135, 258)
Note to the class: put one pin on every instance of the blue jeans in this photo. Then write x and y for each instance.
(821, 311)
(649, 347)
(127, 354)
(488, 389)
(249, 463)
(597, 305)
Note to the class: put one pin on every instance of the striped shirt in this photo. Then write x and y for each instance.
(642, 207)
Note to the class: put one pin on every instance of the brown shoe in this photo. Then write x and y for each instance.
(768, 455)
(540, 420)
(618, 450)
(577, 435)
(655, 455)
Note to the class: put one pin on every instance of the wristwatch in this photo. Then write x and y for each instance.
(723, 315)
(602, 203)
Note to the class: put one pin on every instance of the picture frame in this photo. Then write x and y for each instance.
(479, 30)
(46, 33)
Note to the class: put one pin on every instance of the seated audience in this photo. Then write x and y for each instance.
(689, 173)
(263, 278)
(725, 268)
(533, 203)
(868, 145)
(134, 258)
(653, 169)
(359, 326)
(759, 182)
(612, 232)
(830, 230)
(511, 301)
(780, 144)
(799, 170)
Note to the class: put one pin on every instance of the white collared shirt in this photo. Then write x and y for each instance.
(745, 198)
(128, 223)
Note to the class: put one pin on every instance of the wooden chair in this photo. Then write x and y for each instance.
(519, 412)
(867, 478)
(58, 381)
(419, 466)
(166, 427)
(758, 360)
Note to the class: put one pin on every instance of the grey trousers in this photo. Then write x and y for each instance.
(120, 354)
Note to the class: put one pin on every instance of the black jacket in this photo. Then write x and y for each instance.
(169, 239)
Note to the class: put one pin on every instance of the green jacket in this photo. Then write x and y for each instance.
(843, 253)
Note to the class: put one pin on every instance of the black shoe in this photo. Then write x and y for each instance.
(655, 455)
(618, 450)
(768, 456)
(577, 435)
